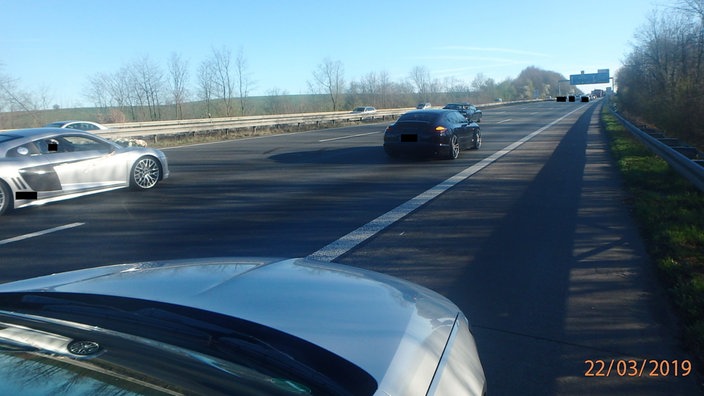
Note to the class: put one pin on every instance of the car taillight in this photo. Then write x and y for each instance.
(440, 129)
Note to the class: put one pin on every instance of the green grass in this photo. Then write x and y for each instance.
(670, 213)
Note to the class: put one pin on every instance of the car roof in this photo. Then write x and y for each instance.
(39, 132)
(70, 122)
(431, 111)
(60, 122)
(22, 136)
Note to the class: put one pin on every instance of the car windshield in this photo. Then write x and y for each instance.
(156, 347)
(419, 117)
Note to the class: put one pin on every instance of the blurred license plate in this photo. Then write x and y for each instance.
(409, 138)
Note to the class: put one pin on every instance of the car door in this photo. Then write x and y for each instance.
(460, 127)
(35, 175)
(82, 162)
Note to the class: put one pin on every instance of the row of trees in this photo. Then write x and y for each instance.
(662, 80)
(221, 86)
(142, 89)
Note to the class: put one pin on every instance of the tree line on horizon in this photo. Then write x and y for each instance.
(221, 86)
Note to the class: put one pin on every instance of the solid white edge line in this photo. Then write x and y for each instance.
(341, 246)
(40, 233)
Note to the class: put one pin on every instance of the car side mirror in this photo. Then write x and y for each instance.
(22, 150)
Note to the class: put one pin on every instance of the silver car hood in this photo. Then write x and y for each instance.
(393, 329)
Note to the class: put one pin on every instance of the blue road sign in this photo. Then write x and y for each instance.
(601, 77)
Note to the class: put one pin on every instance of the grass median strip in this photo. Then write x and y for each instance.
(669, 211)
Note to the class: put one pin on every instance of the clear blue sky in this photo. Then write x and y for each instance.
(55, 46)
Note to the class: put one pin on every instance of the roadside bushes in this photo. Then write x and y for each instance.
(662, 80)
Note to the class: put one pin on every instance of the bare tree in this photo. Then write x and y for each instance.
(97, 91)
(329, 77)
(222, 69)
(206, 83)
(178, 71)
(123, 91)
(694, 7)
(420, 77)
(148, 80)
(244, 81)
(12, 98)
(660, 81)
(385, 87)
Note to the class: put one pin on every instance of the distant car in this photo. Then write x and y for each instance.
(233, 326)
(431, 132)
(43, 165)
(363, 109)
(467, 109)
(81, 125)
(424, 105)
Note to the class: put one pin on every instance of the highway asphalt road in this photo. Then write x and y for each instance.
(528, 235)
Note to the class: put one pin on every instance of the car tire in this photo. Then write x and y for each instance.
(145, 173)
(454, 147)
(477, 140)
(5, 197)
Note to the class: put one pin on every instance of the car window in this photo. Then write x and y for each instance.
(82, 126)
(66, 144)
(23, 150)
(460, 118)
(420, 116)
(85, 143)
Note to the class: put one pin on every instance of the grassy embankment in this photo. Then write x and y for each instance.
(670, 214)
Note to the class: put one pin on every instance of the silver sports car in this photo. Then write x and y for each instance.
(233, 326)
(49, 164)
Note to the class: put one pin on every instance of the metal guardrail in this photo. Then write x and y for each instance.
(175, 127)
(684, 159)
(142, 129)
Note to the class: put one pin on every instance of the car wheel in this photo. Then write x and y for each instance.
(477, 140)
(454, 147)
(5, 197)
(145, 173)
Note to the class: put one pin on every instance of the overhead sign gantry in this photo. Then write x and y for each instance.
(600, 77)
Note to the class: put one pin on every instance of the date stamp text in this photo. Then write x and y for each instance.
(637, 368)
